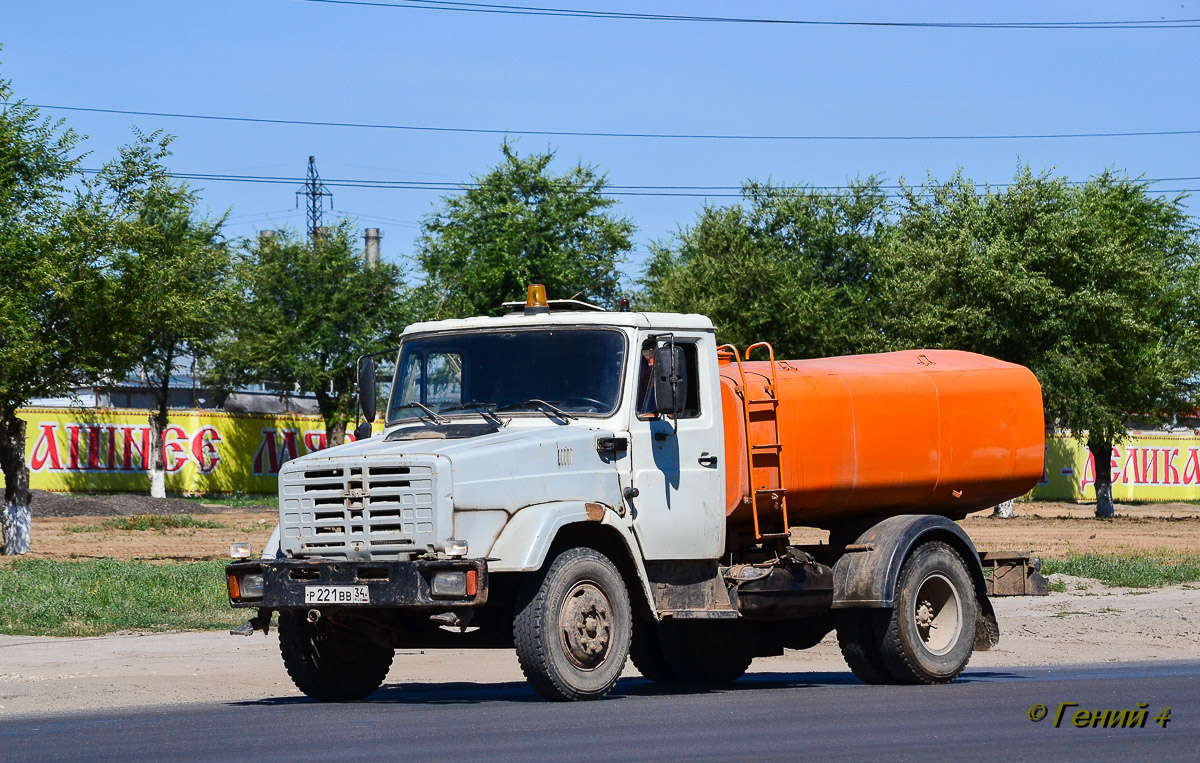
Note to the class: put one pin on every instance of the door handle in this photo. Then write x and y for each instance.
(707, 460)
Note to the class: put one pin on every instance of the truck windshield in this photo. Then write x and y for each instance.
(577, 371)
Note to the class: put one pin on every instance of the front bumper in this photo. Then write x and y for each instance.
(391, 585)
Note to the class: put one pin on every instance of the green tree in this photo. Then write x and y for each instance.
(520, 224)
(178, 273)
(793, 266)
(64, 322)
(1092, 286)
(308, 312)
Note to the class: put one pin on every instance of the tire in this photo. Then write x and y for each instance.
(330, 663)
(858, 634)
(572, 627)
(931, 631)
(647, 653)
(707, 651)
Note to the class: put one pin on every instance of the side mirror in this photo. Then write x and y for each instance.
(670, 379)
(366, 388)
(363, 432)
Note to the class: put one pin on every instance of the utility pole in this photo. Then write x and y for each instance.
(315, 192)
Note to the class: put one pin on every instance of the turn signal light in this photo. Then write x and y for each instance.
(535, 300)
(472, 582)
(235, 588)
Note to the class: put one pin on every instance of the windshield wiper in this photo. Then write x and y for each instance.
(548, 407)
(486, 410)
(436, 417)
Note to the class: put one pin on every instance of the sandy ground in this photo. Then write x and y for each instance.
(1087, 624)
(63, 538)
(1057, 530)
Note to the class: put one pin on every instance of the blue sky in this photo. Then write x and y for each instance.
(290, 59)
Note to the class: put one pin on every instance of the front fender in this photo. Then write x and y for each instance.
(524, 542)
(271, 549)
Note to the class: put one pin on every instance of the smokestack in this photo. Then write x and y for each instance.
(265, 238)
(372, 236)
(320, 234)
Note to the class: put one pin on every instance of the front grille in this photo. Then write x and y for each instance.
(356, 511)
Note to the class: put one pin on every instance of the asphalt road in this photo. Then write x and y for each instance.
(983, 716)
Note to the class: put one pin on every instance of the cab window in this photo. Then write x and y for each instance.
(691, 409)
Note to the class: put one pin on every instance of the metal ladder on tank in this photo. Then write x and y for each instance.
(766, 496)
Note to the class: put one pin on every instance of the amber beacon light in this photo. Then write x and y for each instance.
(535, 300)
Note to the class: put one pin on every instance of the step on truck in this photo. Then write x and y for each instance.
(588, 487)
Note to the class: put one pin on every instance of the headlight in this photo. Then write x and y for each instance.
(252, 586)
(454, 583)
(449, 583)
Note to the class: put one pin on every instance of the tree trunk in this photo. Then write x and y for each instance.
(335, 434)
(335, 422)
(1102, 460)
(14, 515)
(158, 474)
(1003, 510)
(158, 423)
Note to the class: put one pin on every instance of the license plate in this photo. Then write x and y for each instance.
(336, 594)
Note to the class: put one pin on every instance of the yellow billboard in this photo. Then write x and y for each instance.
(1148, 466)
(107, 450)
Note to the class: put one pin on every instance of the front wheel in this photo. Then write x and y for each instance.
(572, 627)
(331, 663)
(931, 632)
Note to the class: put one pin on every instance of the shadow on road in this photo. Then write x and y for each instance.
(464, 692)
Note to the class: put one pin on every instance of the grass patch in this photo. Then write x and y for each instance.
(90, 598)
(1057, 586)
(158, 522)
(1128, 571)
(239, 500)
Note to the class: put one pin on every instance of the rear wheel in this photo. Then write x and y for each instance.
(931, 632)
(858, 632)
(647, 653)
(707, 651)
(328, 662)
(572, 627)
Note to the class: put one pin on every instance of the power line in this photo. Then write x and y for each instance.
(525, 10)
(682, 191)
(641, 135)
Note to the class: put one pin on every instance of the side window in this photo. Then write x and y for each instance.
(645, 407)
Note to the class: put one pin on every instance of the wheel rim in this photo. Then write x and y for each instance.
(937, 614)
(585, 622)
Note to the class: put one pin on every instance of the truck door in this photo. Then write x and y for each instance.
(679, 512)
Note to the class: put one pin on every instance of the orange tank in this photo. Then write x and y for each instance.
(920, 431)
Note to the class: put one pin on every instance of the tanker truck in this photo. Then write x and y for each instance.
(591, 486)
